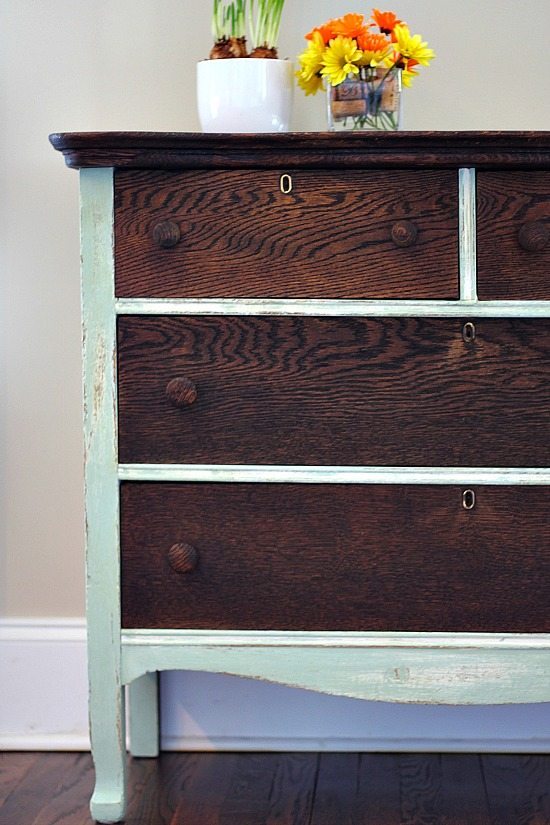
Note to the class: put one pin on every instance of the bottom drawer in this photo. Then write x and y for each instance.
(335, 557)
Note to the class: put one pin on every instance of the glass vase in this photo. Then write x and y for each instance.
(370, 100)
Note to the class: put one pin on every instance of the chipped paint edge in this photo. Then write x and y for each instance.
(106, 696)
(467, 223)
(336, 308)
(458, 669)
(333, 475)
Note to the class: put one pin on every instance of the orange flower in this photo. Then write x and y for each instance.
(350, 25)
(373, 44)
(385, 20)
(375, 48)
(326, 31)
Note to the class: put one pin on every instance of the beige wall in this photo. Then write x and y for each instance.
(129, 64)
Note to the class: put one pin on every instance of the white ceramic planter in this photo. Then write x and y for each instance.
(245, 94)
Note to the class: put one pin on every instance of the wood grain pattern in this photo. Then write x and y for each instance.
(295, 789)
(183, 558)
(507, 202)
(337, 557)
(180, 150)
(331, 237)
(518, 788)
(51, 784)
(336, 391)
(357, 788)
(257, 789)
(13, 771)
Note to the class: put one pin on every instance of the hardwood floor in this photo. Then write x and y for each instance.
(286, 789)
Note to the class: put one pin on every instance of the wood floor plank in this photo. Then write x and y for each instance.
(156, 787)
(420, 778)
(518, 788)
(286, 789)
(38, 787)
(336, 789)
(13, 767)
(391, 789)
(292, 789)
(379, 789)
(462, 796)
(357, 789)
(206, 785)
(247, 799)
(67, 802)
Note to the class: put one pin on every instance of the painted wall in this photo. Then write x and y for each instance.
(129, 64)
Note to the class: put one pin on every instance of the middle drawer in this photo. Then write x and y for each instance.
(334, 391)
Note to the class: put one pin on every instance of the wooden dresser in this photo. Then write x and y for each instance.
(317, 417)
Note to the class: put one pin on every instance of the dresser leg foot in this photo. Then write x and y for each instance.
(105, 808)
(108, 735)
(144, 715)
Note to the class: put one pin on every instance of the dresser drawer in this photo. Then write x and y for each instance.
(340, 234)
(335, 391)
(514, 235)
(335, 557)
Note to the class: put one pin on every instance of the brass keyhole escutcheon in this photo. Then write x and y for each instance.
(469, 332)
(285, 184)
(468, 499)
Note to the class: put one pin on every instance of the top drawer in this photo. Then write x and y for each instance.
(335, 234)
(513, 235)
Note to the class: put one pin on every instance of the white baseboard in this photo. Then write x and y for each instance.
(309, 744)
(53, 741)
(43, 685)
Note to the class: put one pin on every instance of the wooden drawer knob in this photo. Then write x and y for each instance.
(404, 233)
(183, 558)
(533, 236)
(166, 234)
(181, 392)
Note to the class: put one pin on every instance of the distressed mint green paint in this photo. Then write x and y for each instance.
(332, 475)
(337, 308)
(400, 667)
(467, 234)
(334, 638)
(408, 668)
(144, 718)
(101, 495)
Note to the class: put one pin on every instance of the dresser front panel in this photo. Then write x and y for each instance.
(513, 241)
(335, 391)
(336, 234)
(336, 557)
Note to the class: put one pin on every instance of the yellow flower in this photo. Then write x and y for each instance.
(310, 85)
(340, 59)
(412, 46)
(311, 60)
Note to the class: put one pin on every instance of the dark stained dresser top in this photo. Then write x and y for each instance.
(181, 150)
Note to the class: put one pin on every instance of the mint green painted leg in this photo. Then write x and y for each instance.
(144, 715)
(108, 803)
(107, 726)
